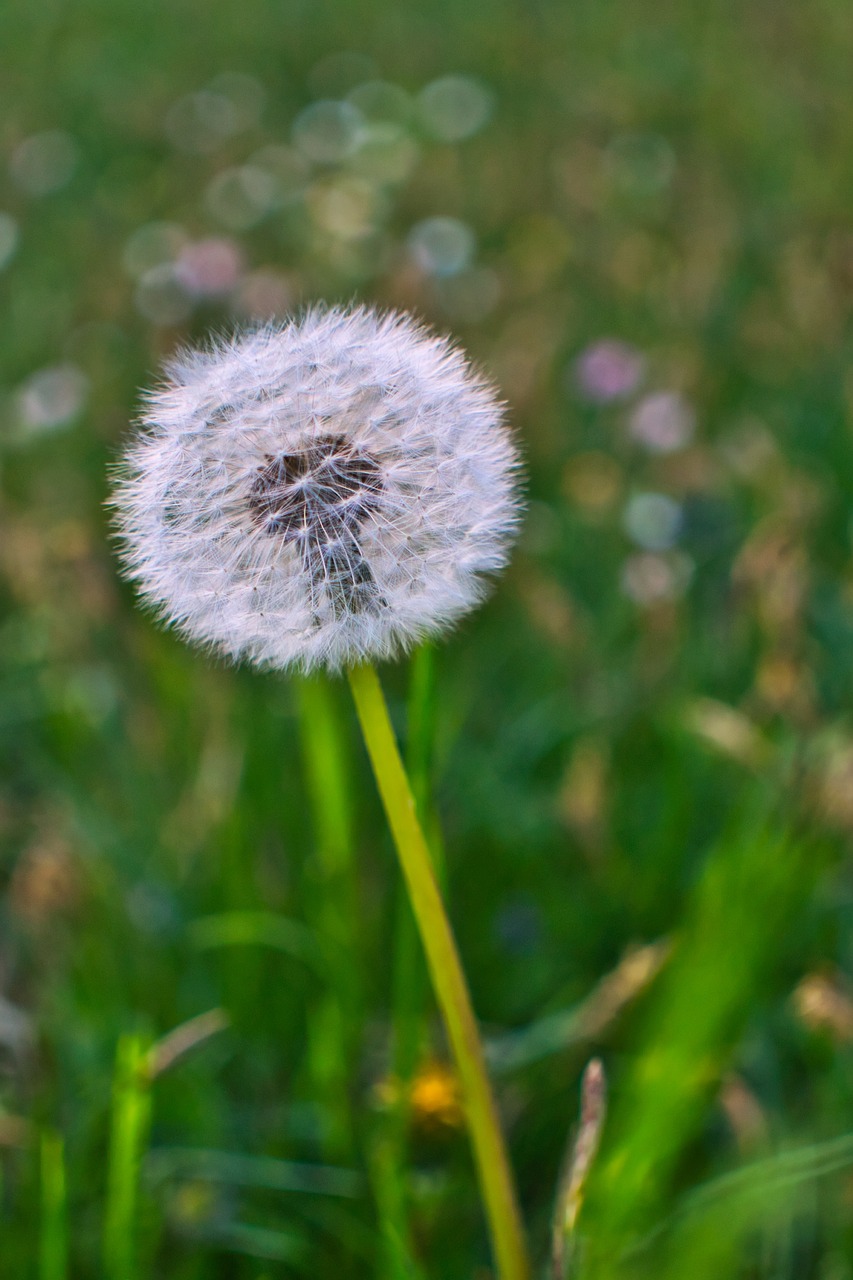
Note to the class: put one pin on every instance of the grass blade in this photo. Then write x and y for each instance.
(53, 1231)
(131, 1113)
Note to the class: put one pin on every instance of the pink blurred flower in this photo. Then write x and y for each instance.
(609, 370)
(209, 268)
(264, 294)
(663, 421)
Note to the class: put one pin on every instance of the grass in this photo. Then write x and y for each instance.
(638, 754)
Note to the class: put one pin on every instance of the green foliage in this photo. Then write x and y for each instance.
(639, 753)
(718, 972)
(53, 1232)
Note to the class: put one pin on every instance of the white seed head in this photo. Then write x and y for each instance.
(320, 492)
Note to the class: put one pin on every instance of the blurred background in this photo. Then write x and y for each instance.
(217, 1054)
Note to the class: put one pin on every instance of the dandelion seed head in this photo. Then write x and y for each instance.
(321, 492)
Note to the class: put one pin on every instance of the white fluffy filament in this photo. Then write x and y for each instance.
(318, 493)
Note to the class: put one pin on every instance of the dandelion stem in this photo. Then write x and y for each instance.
(446, 971)
(410, 989)
(410, 992)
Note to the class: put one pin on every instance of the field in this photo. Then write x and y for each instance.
(219, 1054)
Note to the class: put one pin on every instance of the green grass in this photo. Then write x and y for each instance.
(597, 768)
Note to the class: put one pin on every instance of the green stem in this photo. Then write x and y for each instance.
(410, 992)
(447, 976)
(410, 982)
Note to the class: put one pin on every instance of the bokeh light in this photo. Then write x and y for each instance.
(653, 521)
(456, 107)
(50, 399)
(44, 163)
(608, 370)
(442, 246)
(240, 198)
(663, 422)
(8, 238)
(200, 122)
(327, 132)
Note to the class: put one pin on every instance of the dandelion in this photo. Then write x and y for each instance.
(320, 493)
(324, 493)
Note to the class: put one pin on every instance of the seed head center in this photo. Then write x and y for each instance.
(321, 493)
(318, 497)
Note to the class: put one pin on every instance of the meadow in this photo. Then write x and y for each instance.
(219, 1055)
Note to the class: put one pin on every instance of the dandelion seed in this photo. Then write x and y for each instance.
(319, 493)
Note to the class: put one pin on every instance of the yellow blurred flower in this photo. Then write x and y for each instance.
(435, 1097)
